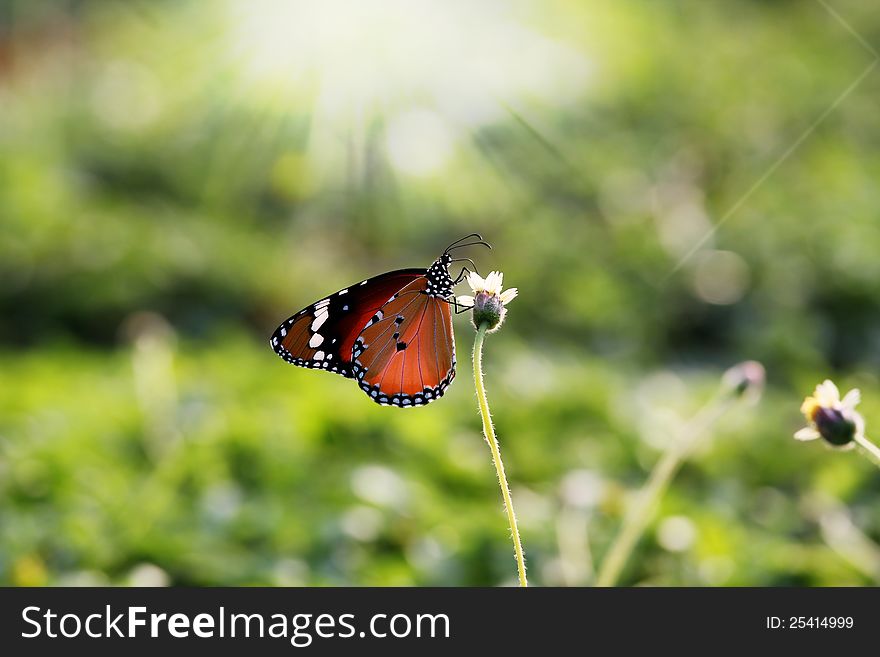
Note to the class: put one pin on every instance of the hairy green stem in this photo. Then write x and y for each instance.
(489, 433)
(638, 515)
(869, 449)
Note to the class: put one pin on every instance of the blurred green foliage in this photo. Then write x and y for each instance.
(164, 205)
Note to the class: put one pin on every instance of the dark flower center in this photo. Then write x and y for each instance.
(834, 426)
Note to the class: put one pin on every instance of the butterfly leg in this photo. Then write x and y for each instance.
(457, 306)
(467, 260)
(464, 272)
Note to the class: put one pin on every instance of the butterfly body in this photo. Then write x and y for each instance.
(391, 333)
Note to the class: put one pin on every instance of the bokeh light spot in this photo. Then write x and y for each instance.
(419, 142)
(720, 277)
(676, 533)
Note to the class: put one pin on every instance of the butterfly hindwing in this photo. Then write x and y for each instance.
(322, 335)
(405, 356)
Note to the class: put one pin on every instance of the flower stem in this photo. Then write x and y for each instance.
(639, 513)
(489, 433)
(869, 449)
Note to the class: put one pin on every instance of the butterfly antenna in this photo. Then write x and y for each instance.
(466, 237)
(460, 244)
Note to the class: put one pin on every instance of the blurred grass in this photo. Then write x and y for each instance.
(161, 213)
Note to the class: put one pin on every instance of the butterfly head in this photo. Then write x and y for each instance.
(440, 282)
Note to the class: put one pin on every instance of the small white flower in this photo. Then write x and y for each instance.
(488, 300)
(830, 417)
(491, 285)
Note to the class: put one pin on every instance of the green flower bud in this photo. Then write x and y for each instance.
(488, 310)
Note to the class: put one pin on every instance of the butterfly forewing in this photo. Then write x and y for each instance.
(405, 356)
(322, 335)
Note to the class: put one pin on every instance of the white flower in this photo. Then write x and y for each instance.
(488, 300)
(491, 285)
(830, 417)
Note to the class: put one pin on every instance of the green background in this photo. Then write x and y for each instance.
(176, 178)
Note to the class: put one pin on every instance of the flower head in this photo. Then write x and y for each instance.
(830, 417)
(488, 300)
(745, 380)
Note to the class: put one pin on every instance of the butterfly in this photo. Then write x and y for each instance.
(391, 333)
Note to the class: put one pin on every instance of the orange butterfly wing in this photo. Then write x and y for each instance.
(405, 356)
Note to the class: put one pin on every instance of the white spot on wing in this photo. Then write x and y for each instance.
(320, 317)
(319, 355)
(316, 340)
